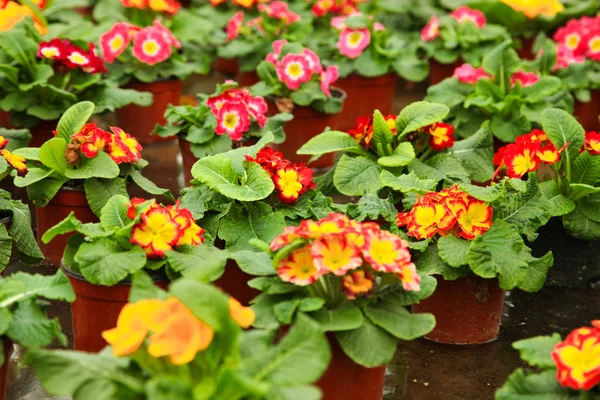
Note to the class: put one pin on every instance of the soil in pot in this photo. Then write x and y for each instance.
(96, 308)
(67, 200)
(438, 71)
(467, 310)
(364, 96)
(588, 114)
(7, 348)
(576, 262)
(226, 66)
(140, 121)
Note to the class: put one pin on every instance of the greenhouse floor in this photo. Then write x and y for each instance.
(424, 370)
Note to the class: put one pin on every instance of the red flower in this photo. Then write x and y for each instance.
(524, 78)
(431, 30)
(151, 46)
(467, 74)
(592, 143)
(114, 42)
(55, 49)
(442, 136)
(363, 130)
(233, 119)
(577, 358)
(234, 25)
(97, 142)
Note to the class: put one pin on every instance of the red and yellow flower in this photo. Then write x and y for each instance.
(442, 135)
(125, 140)
(299, 268)
(157, 232)
(243, 316)
(192, 233)
(15, 161)
(166, 6)
(577, 358)
(335, 254)
(358, 283)
(592, 143)
(385, 252)
(474, 219)
(409, 277)
(3, 142)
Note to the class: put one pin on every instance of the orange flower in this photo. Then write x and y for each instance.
(15, 161)
(13, 13)
(422, 220)
(335, 254)
(442, 135)
(409, 277)
(97, 142)
(132, 146)
(577, 358)
(192, 233)
(299, 268)
(132, 327)
(167, 6)
(156, 233)
(3, 142)
(357, 283)
(385, 252)
(243, 316)
(474, 219)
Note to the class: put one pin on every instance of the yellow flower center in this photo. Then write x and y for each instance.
(595, 45)
(230, 120)
(150, 47)
(383, 252)
(50, 52)
(524, 163)
(78, 58)
(354, 38)
(294, 70)
(573, 41)
(117, 42)
(288, 182)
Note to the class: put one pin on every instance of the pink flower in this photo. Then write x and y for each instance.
(410, 278)
(279, 10)
(467, 74)
(150, 46)
(328, 77)
(234, 25)
(431, 30)
(233, 119)
(464, 13)
(338, 22)
(565, 57)
(353, 42)
(114, 42)
(314, 62)
(257, 107)
(378, 26)
(273, 58)
(524, 78)
(593, 45)
(294, 70)
(167, 34)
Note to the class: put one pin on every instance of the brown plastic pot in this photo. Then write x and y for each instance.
(42, 132)
(5, 120)
(96, 309)
(7, 348)
(67, 200)
(347, 380)
(588, 114)
(467, 310)
(234, 282)
(364, 96)
(307, 123)
(140, 121)
(226, 66)
(526, 50)
(248, 78)
(438, 71)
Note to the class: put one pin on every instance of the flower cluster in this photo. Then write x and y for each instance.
(577, 41)
(171, 328)
(363, 130)
(151, 45)
(71, 56)
(526, 154)
(353, 41)
(335, 7)
(242, 3)
(118, 144)
(296, 69)
(450, 211)
(534, 8)
(166, 6)
(11, 13)
(348, 249)
(235, 110)
(462, 14)
(577, 358)
(15, 161)
(291, 179)
(162, 228)
(466, 73)
(276, 11)
(592, 143)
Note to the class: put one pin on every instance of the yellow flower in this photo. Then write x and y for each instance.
(13, 13)
(157, 232)
(534, 8)
(243, 316)
(15, 161)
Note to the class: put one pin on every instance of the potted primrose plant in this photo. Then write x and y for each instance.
(354, 280)
(571, 174)
(229, 118)
(381, 148)
(100, 257)
(153, 65)
(568, 368)
(250, 193)
(23, 318)
(463, 36)
(293, 80)
(78, 171)
(47, 77)
(186, 343)
(499, 91)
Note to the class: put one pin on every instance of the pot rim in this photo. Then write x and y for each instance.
(158, 275)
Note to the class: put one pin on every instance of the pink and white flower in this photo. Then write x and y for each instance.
(233, 119)
(328, 77)
(593, 45)
(167, 34)
(257, 106)
(314, 62)
(294, 70)
(524, 78)
(353, 42)
(464, 13)
(114, 42)
(150, 46)
(431, 30)
(279, 10)
(273, 57)
(234, 25)
(466, 73)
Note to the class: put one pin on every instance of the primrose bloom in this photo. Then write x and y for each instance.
(577, 358)
(132, 146)
(234, 25)
(268, 158)
(235, 110)
(55, 49)
(192, 234)
(535, 8)
(474, 218)
(409, 277)
(298, 268)
(97, 142)
(353, 41)
(150, 46)
(294, 70)
(15, 161)
(358, 283)
(592, 143)
(233, 119)
(11, 13)
(335, 254)
(279, 10)
(441, 135)
(466, 73)
(465, 14)
(114, 42)
(432, 30)
(166, 6)
(524, 78)
(243, 316)
(157, 232)
(385, 252)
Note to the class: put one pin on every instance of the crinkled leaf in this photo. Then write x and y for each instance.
(398, 321)
(99, 191)
(537, 351)
(476, 153)
(101, 166)
(562, 128)
(330, 142)
(543, 386)
(453, 250)
(355, 176)
(418, 115)
(203, 262)
(403, 155)
(408, 182)
(73, 119)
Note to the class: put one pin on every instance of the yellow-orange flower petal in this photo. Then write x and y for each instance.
(243, 316)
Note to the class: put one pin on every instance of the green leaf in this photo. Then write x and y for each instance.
(402, 298)
(484, 193)
(52, 155)
(142, 287)
(294, 393)
(218, 173)
(339, 319)
(586, 169)
(284, 311)
(403, 155)
(590, 207)
(30, 328)
(5, 251)
(369, 345)
(254, 263)
(382, 133)
(398, 321)
(73, 119)
(577, 191)
(501, 63)
(407, 182)
(419, 115)
(499, 253)
(29, 153)
(207, 302)
(21, 286)
(370, 206)
(205, 263)
(99, 191)
(101, 166)
(330, 142)
(453, 250)
(559, 204)
(43, 190)
(581, 227)
(105, 262)
(450, 92)
(33, 175)
(429, 262)
(114, 213)
(537, 351)
(476, 153)
(355, 176)
(563, 129)
(72, 224)
(543, 386)
(537, 270)
(20, 230)
(148, 186)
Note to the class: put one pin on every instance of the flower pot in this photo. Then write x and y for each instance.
(140, 121)
(307, 123)
(5, 120)
(438, 71)
(7, 348)
(576, 262)
(234, 282)
(42, 132)
(247, 79)
(526, 50)
(226, 66)
(67, 200)
(96, 309)
(588, 113)
(347, 380)
(364, 96)
(466, 310)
